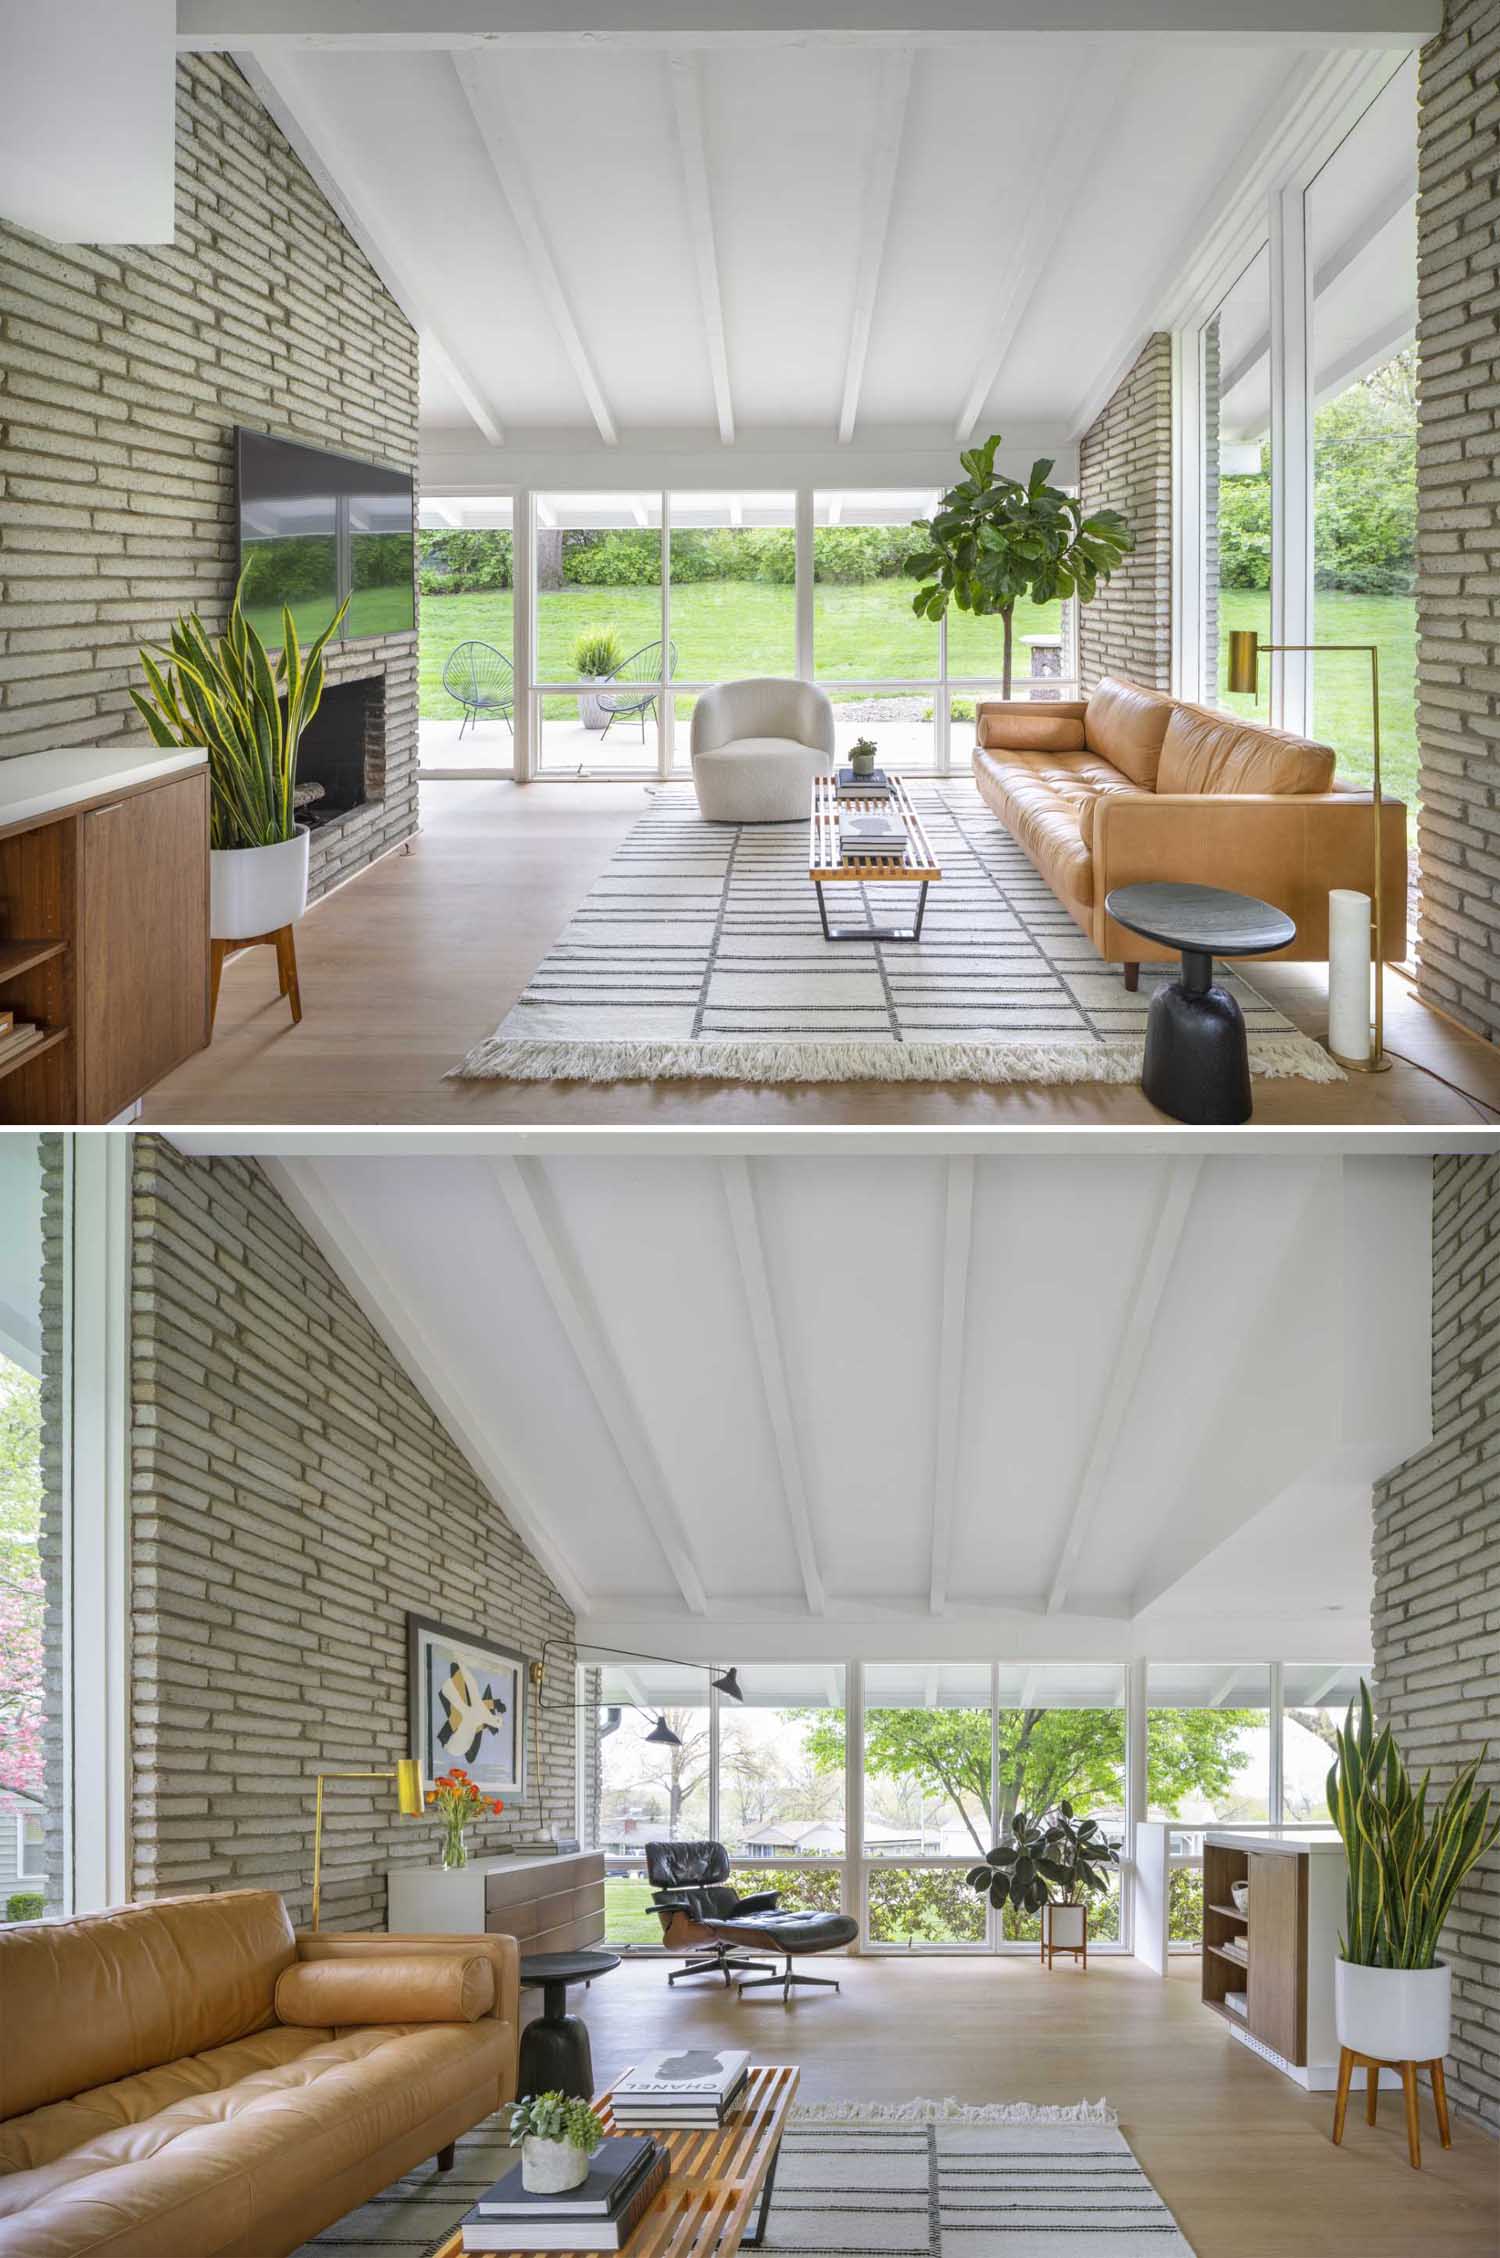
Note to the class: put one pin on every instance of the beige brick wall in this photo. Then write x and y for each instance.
(1125, 460)
(1458, 522)
(1437, 1588)
(122, 374)
(292, 1496)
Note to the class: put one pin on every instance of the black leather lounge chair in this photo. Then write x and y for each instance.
(702, 1913)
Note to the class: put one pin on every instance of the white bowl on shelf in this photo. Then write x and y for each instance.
(1240, 1892)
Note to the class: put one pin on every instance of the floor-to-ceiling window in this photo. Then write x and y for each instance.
(1237, 487)
(1208, 1763)
(928, 1782)
(1315, 1700)
(1062, 1739)
(466, 581)
(654, 1754)
(733, 594)
(32, 1581)
(881, 666)
(781, 1783)
(600, 658)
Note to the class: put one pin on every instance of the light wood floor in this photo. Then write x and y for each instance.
(1241, 2155)
(422, 956)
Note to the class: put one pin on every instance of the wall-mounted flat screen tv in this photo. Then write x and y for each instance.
(315, 527)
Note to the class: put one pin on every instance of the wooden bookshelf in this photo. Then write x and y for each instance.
(1273, 1931)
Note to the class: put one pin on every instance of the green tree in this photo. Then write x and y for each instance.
(21, 1595)
(1045, 1754)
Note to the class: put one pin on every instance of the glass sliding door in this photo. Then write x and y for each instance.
(732, 574)
(600, 662)
(1062, 1738)
(928, 1772)
(1237, 477)
(1208, 1763)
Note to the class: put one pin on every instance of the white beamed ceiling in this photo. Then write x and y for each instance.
(779, 1406)
(904, 240)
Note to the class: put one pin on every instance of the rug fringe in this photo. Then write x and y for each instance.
(955, 2112)
(541, 1059)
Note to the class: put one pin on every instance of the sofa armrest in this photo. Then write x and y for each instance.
(1289, 849)
(502, 1952)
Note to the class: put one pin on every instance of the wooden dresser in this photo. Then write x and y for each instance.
(103, 927)
(1279, 1953)
(548, 1902)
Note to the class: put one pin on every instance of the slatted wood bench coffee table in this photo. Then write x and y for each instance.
(718, 2177)
(918, 867)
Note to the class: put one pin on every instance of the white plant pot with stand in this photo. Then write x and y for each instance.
(1065, 1928)
(258, 894)
(1393, 2014)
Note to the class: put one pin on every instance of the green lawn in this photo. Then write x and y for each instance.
(727, 628)
(628, 1918)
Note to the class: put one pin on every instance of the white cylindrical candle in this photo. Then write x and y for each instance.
(1349, 961)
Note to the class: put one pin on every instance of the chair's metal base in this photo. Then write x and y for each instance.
(718, 1960)
(912, 932)
(789, 1977)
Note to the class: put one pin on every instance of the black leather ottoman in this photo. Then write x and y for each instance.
(788, 1936)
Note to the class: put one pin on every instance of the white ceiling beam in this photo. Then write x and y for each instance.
(485, 95)
(1222, 1691)
(522, 1188)
(346, 179)
(1168, 1223)
(1321, 1690)
(692, 150)
(311, 1189)
(930, 1687)
(833, 1679)
(958, 1240)
(744, 1226)
(1096, 99)
(532, 23)
(887, 125)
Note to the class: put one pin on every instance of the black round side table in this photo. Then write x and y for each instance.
(555, 2055)
(1197, 1063)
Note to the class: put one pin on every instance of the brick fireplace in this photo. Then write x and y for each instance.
(362, 748)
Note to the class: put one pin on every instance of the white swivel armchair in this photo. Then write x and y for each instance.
(757, 747)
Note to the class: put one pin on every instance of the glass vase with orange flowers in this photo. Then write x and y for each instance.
(458, 1802)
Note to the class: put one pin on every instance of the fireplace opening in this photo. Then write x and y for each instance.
(341, 760)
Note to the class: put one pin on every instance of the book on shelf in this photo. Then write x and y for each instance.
(19, 1037)
(7, 1022)
(1236, 2002)
(876, 786)
(614, 2167)
(540, 2230)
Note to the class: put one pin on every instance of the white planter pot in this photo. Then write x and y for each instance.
(593, 713)
(1393, 2014)
(255, 890)
(551, 2167)
(1064, 1926)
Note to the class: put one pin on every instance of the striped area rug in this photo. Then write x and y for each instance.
(698, 953)
(919, 2179)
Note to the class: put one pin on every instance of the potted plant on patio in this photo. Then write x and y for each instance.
(557, 2135)
(1051, 1866)
(222, 693)
(1391, 1991)
(596, 656)
(994, 540)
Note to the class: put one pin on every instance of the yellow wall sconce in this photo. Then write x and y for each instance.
(406, 1774)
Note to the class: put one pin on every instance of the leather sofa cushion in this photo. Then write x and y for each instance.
(1047, 800)
(196, 2175)
(1022, 727)
(93, 2000)
(1125, 725)
(1207, 751)
(455, 1987)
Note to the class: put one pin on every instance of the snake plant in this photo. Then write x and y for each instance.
(1404, 1867)
(222, 693)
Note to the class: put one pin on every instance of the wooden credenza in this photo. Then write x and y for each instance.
(547, 1902)
(103, 927)
(1288, 1935)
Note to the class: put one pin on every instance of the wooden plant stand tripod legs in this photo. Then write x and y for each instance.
(1349, 2061)
(283, 941)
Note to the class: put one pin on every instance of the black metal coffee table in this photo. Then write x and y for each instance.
(555, 2055)
(1197, 1064)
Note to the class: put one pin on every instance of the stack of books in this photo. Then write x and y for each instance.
(601, 2213)
(871, 837)
(17, 1036)
(875, 786)
(692, 2087)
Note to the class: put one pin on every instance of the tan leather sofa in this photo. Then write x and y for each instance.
(191, 2079)
(1129, 784)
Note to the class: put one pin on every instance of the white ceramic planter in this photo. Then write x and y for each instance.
(1063, 1926)
(255, 890)
(593, 712)
(1393, 2014)
(551, 2167)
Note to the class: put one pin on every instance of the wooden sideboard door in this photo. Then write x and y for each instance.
(1277, 1982)
(143, 942)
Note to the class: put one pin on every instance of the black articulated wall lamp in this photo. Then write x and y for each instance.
(726, 1683)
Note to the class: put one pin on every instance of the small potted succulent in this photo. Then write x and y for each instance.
(1405, 1866)
(596, 656)
(1052, 1866)
(558, 2135)
(863, 754)
(457, 1801)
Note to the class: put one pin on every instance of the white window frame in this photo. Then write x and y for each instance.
(25, 1873)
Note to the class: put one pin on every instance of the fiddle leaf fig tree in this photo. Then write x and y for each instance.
(995, 541)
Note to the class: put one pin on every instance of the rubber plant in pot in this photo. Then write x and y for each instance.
(223, 693)
(995, 541)
(558, 2135)
(1051, 1866)
(596, 656)
(1406, 1865)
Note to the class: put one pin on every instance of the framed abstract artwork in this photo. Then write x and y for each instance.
(466, 1700)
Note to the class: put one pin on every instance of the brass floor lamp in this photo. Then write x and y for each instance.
(407, 1774)
(1245, 648)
